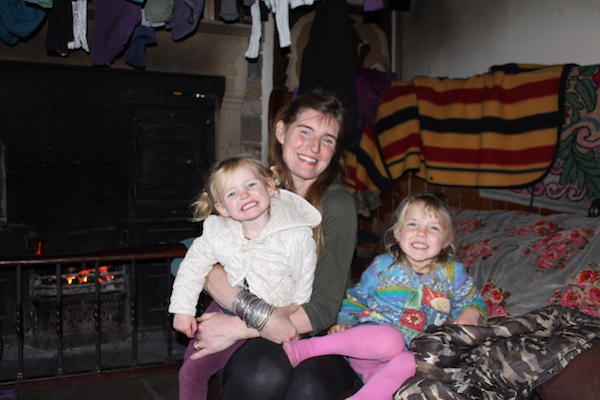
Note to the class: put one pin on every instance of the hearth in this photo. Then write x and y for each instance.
(73, 314)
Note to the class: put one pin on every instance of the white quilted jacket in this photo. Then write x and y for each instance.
(278, 266)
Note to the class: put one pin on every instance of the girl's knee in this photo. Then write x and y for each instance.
(392, 337)
(406, 361)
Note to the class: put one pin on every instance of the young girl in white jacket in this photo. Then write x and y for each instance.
(262, 236)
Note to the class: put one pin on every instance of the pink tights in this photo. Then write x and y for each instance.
(378, 352)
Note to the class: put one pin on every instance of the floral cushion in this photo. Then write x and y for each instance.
(524, 261)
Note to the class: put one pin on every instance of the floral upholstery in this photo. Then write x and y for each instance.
(523, 261)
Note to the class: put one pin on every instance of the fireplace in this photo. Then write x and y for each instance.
(83, 169)
(99, 158)
(78, 286)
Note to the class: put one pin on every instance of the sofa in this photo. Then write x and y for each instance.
(540, 277)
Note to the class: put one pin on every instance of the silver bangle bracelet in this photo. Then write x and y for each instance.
(254, 311)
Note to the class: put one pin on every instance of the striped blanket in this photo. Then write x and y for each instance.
(498, 129)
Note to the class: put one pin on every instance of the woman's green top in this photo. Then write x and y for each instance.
(332, 277)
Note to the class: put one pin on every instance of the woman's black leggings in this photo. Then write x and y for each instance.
(260, 370)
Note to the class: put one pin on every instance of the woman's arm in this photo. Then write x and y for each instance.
(285, 324)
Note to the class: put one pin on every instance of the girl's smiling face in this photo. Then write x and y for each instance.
(244, 197)
(308, 145)
(421, 237)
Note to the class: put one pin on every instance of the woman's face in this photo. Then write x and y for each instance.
(308, 145)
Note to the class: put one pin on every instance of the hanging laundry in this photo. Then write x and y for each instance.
(60, 28)
(157, 13)
(186, 15)
(255, 34)
(498, 129)
(18, 20)
(329, 59)
(79, 26)
(372, 5)
(281, 9)
(229, 11)
(114, 23)
(41, 3)
(142, 36)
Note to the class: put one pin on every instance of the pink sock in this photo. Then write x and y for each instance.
(384, 379)
(378, 352)
(356, 342)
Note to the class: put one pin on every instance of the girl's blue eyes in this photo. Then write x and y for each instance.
(413, 224)
(250, 186)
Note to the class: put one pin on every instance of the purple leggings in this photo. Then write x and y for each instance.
(195, 374)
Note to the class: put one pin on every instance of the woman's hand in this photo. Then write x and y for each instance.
(185, 324)
(279, 327)
(218, 331)
(468, 317)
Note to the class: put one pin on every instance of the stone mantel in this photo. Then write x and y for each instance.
(215, 49)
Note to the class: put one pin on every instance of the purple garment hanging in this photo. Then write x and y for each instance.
(372, 5)
(371, 86)
(186, 15)
(114, 23)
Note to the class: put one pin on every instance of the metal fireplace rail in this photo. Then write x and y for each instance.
(129, 261)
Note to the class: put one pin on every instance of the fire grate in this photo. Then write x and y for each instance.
(79, 304)
(81, 282)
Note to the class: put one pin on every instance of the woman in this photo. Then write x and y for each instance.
(308, 143)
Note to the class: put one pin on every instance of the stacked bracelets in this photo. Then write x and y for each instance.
(254, 311)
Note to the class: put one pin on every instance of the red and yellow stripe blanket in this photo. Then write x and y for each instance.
(499, 129)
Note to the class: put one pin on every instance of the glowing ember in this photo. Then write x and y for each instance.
(87, 275)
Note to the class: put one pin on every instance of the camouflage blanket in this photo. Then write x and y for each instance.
(507, 359)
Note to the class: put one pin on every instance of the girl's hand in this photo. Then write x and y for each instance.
(185, 324)
(467, 317)
(338, 328)
(279, 327)
(217, 332)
